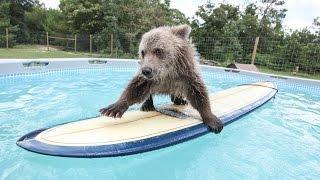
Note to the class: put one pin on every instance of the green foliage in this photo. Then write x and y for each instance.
(85, 16)
(224, 34)
(17, 11)
(4, 15)
(5, 23)
(221, 32)
(125, 20)
(35, 22)
(220, 21)
(56, 22)
(28, 21)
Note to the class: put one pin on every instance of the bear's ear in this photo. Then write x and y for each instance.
(182, 31)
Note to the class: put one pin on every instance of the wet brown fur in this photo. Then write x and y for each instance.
(174, 72)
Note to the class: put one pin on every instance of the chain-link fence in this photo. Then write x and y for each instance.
(282, 56)
(270, 55)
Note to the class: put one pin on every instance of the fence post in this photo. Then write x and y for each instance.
(47, 41)
(75, 43)
(255, 50)
(116, 51)
(111, 44)
(91, 44)
(7, 37)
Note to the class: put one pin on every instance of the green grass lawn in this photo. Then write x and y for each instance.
(286, 73)
(34, 52)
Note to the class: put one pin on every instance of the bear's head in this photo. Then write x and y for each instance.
(164, 50)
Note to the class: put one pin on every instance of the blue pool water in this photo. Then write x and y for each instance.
(281, 139)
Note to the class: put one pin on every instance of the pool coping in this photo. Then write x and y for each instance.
(10, 67)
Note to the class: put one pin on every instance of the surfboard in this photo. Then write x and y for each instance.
(139, 131)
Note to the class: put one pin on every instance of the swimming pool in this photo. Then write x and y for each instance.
(278, 140)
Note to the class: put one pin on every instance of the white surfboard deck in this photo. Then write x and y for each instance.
(136, 126)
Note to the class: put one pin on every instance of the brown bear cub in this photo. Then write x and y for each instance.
(168, 66)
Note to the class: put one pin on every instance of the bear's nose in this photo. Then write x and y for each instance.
(146, 71)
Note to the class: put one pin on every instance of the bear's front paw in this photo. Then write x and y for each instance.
(115, 110)
(147, 106)
(214, 124)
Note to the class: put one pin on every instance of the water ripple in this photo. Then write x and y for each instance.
(281, 139)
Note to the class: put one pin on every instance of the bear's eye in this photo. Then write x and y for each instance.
(142, 53)
(158, 51)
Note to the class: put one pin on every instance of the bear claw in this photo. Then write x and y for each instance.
(215, 126)
(115, 110)
(178, 100)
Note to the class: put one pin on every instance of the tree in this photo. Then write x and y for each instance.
(17, 9)
(216, 38)
(125, 20)
(35, 20)
(5, 23)
(56, 22)
(316, 26)
(85, 16)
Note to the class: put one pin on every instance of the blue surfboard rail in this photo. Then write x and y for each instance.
(29, 142)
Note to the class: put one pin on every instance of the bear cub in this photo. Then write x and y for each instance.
(168, 66)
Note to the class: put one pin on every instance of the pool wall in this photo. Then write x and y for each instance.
(14, 67)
